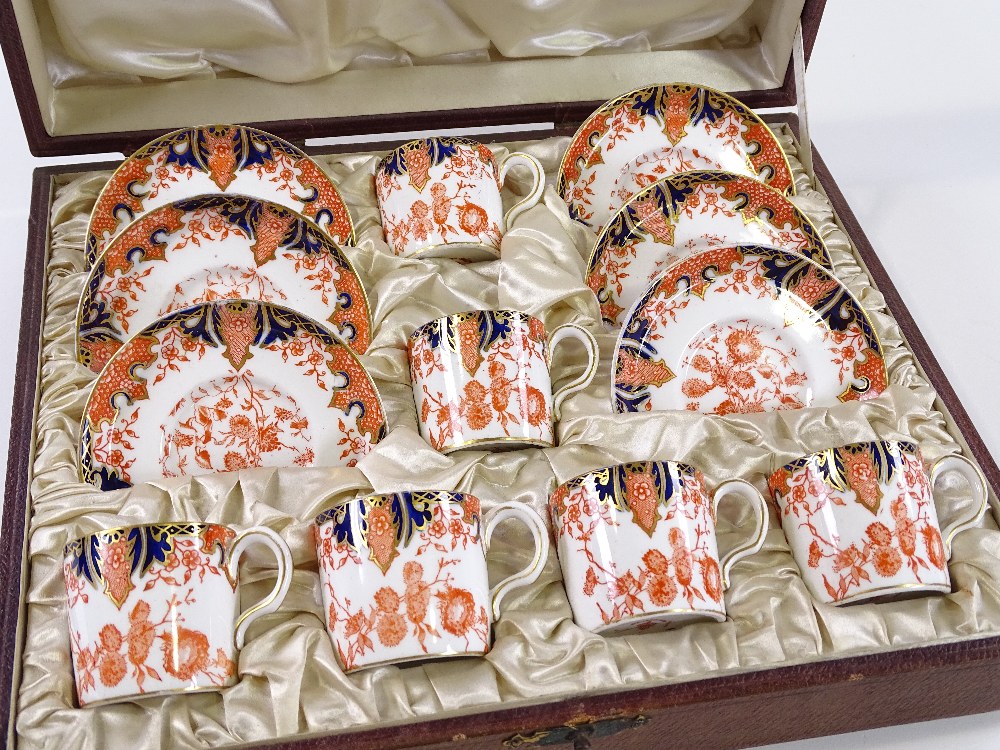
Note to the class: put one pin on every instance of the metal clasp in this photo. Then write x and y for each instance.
(579, 733)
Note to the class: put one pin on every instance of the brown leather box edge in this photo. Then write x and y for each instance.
(16, 489)
(732, 711)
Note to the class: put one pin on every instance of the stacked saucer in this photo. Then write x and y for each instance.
(222, 314)
(721, 291)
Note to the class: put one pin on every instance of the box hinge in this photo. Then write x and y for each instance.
(799, 74)
(577, 733)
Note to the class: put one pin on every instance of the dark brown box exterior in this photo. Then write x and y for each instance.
(735, 711)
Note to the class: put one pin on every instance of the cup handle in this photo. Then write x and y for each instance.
(530, 574)
(585, 337)
(975, 478)
(271, 602)
(749, 493)
(537, 186)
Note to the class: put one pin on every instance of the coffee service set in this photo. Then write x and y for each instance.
(225, 322)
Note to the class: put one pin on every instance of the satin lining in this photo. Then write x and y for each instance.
(290, 683)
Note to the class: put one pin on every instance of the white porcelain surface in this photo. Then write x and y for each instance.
(211, 248)
(862, 524)
(233, 159)
(404, 575)
(154, 609)
(644, 135)
(440, 197)
(481, 379)
(226, 386)
(745, 329)
(681, 215)
(637, 545)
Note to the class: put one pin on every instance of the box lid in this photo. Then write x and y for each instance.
(99, 77)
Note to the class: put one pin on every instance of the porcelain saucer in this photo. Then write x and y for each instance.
(680, 215)
(655, 131)
(745, 329)
(217, 247)
(233, 159)
(224, 386)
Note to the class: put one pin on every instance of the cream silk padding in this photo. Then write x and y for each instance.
(293, 41)
(290, 683)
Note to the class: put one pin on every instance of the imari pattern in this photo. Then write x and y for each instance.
(862, 467)
(675, 110)
(221, 152)
(212, 437)
(119, 286)
(388, 523)
(416, 159)
(429, 597)
(613, 484)
(670, 565)
(861, 520)
(471, 335)
(683, 214)
(728, 366)
(172, 602)
(111, 561)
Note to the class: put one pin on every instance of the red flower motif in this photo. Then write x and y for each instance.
(112, 669)
(111, 638)
(391, 629)
(473, 219)
(458, 610)
(234, 461)
(656, 562)
(186, 654)
(815, 554)
(662, 590)
(537, 410)
(887, 560)
(935, 546)
(744, 347)
(387, 600)
(589, 582)
(474, 407)
(879, 533)
(713, 578)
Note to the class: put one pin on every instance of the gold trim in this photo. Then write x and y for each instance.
(711, 615)
(856, 444)
(411, 660)
(461, 139)
(309, 224)
(198, 526)
(459, 317)
(799, 258)
(589, 341)
(683, 468)
(159, 694)
(321, 326)
(455, 496)
(605, 230)
(606, 107)
(351, 240)
(524, 442)
(863, 596)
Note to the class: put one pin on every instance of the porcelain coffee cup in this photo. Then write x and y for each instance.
(481, 379)
(440, 197)
(862, 524)
(154, 609)
(637, 545)
(404, 575)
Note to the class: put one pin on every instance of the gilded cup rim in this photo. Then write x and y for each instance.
(797, 463)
